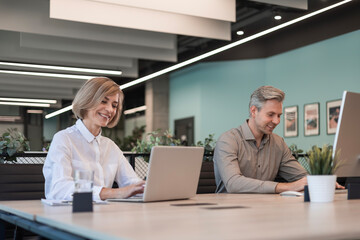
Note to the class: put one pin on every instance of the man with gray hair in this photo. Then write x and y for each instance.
(247, 159)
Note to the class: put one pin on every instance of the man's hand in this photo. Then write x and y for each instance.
(293, 186)
(123, 192)
(338, 186)
(297, 186)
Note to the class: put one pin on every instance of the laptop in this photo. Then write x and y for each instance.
(173, 174)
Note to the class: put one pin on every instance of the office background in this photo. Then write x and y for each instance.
(217, 93)
(312, 61)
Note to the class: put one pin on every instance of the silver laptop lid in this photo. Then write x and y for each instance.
(173, 173)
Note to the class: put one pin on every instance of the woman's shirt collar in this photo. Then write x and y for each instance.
(86, 133)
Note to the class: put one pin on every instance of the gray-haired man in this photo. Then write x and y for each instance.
(248, 158)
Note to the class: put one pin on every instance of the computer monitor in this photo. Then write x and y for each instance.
(347, 138)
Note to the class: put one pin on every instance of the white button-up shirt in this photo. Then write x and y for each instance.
(75, 148)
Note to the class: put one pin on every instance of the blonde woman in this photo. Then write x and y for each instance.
(81, 147)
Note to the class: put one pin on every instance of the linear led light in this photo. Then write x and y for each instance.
(72, 69)
(134, 110)
(10, 118)
(130, 111)
(28, 100)
(33, 111)
(25, 104)
(58, 112)
(57, 75)
(231, 45)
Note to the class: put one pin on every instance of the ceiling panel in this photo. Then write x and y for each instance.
(38, 87)
(33, 17)
(139, 18)
(10, 50)
(95, 47)
(215, 9)
(20, 80)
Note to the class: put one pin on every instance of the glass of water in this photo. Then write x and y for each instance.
(83, 180)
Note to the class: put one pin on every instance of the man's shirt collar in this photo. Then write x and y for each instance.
(248, 135)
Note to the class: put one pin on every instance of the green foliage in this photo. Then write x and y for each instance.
(130, 142)
(321, 161)
(209, 146)
(12, 142)
(295, 152)
(155, 138)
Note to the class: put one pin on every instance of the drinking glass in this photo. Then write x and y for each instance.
(83, 181)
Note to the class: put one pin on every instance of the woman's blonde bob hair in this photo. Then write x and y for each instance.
(92, 93)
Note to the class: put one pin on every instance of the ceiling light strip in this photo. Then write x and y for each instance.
(56, 75)
(60, 68)
(28, 100)
(32, 111)
(68, 108)
(231, 45)
(134, 110)
(9, 118)
(25, 104)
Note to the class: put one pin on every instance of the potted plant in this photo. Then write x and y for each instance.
(299, 156)
(209, 146)
(207, 182)
(11, 142)
(321, 180)
(155, 138)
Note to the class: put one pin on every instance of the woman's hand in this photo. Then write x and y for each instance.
(124, 192)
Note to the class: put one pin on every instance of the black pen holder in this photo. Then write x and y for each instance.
(353, 190)
(82, 202)
(306, 194)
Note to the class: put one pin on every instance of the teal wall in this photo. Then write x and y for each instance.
(217, 93)
(316, 73)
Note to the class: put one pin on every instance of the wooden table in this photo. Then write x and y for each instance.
(227, 216)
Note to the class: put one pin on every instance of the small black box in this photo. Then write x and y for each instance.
(353, 190)
(306, 194)
(82, 202)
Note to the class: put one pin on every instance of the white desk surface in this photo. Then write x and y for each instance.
(263, 216)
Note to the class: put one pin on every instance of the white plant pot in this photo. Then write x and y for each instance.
(321, 188)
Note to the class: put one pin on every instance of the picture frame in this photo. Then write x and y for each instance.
(332, 115)
(291, 121)
(312, 119)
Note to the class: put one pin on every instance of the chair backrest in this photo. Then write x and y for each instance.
(207, 182)
(21, 181)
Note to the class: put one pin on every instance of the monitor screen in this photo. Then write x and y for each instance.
(347, 138)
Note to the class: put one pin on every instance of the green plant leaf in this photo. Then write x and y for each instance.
(320, 160)
(13, 141)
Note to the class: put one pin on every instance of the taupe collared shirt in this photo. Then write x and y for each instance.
(242, 167)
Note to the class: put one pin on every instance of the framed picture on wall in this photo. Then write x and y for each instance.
(311, 119)
(291, 121)
(332, 115)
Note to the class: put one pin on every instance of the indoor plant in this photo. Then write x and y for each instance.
(209, 146)
(143, 148)
(299, 156)
(321, 180)
(155, 138)
(12, 141)
(207, 182)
